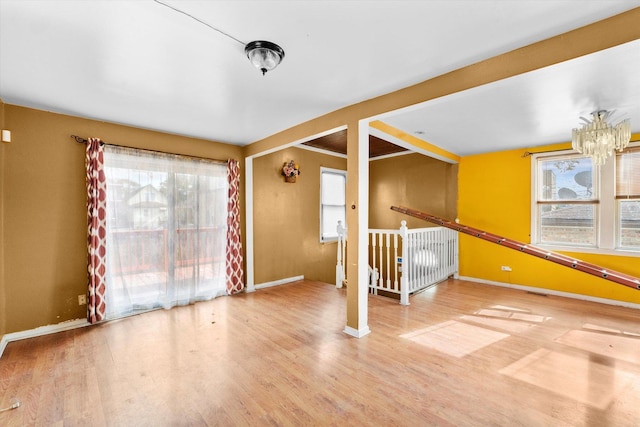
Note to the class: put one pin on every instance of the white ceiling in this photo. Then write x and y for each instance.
(139, 63)
(536, 108)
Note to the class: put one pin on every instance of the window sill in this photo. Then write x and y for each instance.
(333, 240)
(598, 251)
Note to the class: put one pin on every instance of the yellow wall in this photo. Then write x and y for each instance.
(414, 181)
(495, 196)
(287, 218)
(44, 219)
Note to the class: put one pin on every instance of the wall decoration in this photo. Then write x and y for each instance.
(290, 171)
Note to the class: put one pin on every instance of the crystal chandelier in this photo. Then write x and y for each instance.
(598, 139)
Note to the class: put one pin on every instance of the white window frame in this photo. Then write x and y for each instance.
(606, 210)
(618, 201)
(324, 170)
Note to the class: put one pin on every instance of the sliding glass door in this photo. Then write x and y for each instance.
(166, 230)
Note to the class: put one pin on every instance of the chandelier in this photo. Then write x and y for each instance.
(599, 139)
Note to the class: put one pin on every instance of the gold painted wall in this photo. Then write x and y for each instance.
(287, 218)
(3, 311)
(44, 219)
(414, 181)
(494, 195)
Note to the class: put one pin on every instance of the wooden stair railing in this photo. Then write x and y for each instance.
(585, 267)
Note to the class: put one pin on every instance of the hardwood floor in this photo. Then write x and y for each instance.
(461, 354)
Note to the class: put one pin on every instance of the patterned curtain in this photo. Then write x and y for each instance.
(97, 232)
(235, 282)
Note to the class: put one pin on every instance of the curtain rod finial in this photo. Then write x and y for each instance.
(79, 139)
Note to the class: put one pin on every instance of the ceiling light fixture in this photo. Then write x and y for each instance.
(599, 139)
(264, 55)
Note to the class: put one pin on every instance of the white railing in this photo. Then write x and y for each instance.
(429, 256)
(341, 271)
(405, 261)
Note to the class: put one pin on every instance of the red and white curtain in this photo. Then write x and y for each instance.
(234, 260)
(97, 230)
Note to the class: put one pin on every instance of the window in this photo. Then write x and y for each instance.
(567, 201)
(628, 198)
(332, 202)
(166, 230)
(576, 205)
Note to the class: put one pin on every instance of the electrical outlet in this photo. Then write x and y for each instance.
(505, 268)
(82, 299)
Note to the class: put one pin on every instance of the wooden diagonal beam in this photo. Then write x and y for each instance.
(576, 264)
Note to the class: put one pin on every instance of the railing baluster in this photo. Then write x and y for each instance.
(420, 266)
(404, 277)
(380, 279)
(340, 262)
(395, 261)
(373, 237)
(388, 270)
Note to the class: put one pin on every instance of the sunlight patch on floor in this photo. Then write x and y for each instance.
(599, 328)
(572, 376)
(505, 324)
(605, 344)
(455, 338)
(515, 315)
(504, 307)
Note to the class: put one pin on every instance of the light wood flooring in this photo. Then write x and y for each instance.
(461, 354)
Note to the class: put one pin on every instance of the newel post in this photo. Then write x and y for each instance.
(404, 270)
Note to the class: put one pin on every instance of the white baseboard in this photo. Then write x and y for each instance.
(553, 292)
(42, 330)
(279, 282)
(357, 333)
(73, 324)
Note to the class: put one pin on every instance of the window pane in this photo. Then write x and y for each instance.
(569, 224)
(568, 178)
(333, 188)
(332, 203)
(330, 217)
(628, 174)
(629, 225)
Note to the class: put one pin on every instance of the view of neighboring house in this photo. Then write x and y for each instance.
(148, 208)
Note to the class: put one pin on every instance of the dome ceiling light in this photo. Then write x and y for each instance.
(264, 55)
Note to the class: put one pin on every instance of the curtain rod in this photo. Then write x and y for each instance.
(531, 153)
(82, 140)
